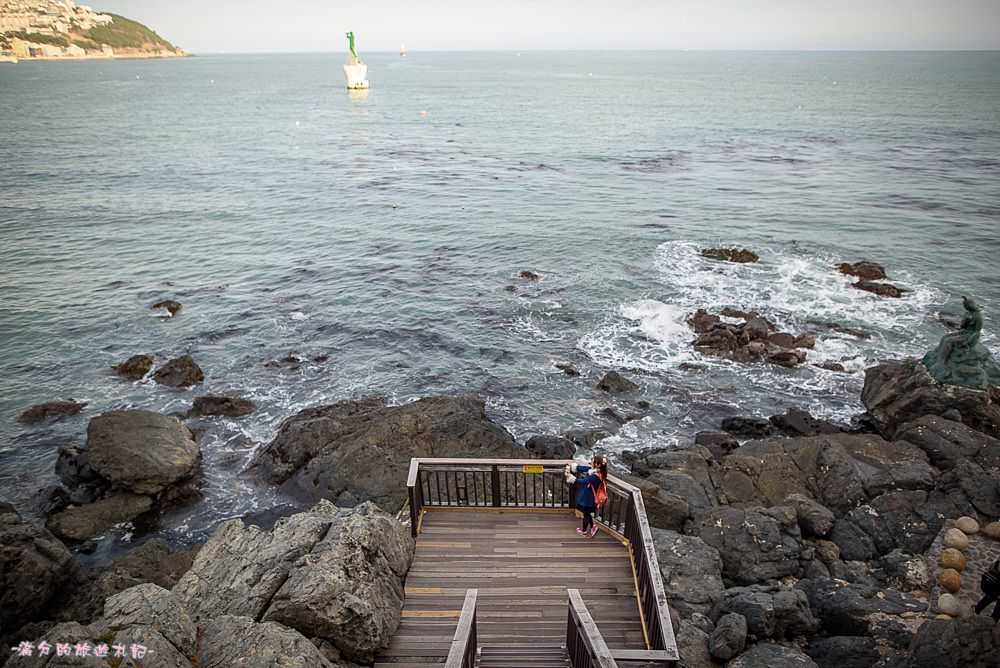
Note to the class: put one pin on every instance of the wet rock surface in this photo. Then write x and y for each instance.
(181, 372)
(135, 367)
(740, 255)
(871, 271)
(216, 404)
(53, 410)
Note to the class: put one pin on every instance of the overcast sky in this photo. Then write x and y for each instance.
(212, 26)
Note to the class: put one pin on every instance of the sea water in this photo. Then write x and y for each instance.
(380, 229)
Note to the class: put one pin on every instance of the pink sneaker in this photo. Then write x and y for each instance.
(593, 531)
(581, 532)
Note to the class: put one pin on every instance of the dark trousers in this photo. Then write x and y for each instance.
(984, 603)
(588, 517)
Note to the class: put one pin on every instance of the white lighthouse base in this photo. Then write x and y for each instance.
(357, 76)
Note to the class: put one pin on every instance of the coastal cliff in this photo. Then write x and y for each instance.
(56, 30)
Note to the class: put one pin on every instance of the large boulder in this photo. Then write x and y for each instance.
(770, 611)
(755, 544)
(901, 392)
(767, 655)
(729, 636)
(232, 640)
(843, 652)
(79, 523)
(356, 451)
(970, 642)
(330, 573)
(852, 608)
(550, 447)
(135, 367)
(154, 607)
(141, 451)
(33, 566)
(946, 442)
(691, 571)
(615, 383)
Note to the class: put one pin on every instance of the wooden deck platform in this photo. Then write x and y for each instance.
(522, 563)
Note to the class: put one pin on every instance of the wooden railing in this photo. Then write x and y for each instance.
(463, 646)
(534, 484)
(584, 642)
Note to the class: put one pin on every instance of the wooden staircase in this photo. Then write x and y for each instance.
(522, 656)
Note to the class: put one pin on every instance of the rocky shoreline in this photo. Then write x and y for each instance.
(782, 540)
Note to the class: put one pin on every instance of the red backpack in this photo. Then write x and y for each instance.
(600, 492)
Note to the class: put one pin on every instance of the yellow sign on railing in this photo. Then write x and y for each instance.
(529, 468)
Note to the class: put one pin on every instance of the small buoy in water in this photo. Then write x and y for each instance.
(298, 124)
(211, 81)
(462, 207)
(423, 113)
(393, 205)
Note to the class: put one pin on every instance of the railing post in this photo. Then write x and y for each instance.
(415, 495)
(495, 484)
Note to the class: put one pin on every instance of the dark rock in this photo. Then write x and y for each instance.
(135, 367)
(832, 366)
(53, 410)
(531, 276)
(788, 359)
(321, 359)
(172, 306)
(797, 422)
(510, 288)
(870, 271)
(782, 340)
(663, 510)
(50, 500)
(151, 561)
(355, 451)
(73, 467)
(691, 571)
(215, 404)
(81, 496)
(33, 566)
(756, 544)
(586, 439)
(969, 485)
(141, 451)
(767, 655)
(615, 383)
(687, 473)
(152, 606)
(567, 369)
(692, 644)
(702, 321)
(719, 443)
(770, 611)
(843, 652)
(947, 442)
(741, 255)
(903, 519)
(729, 636)
(880, 289)
(805, 340)
(898, 393)
(745, 427)
(87, 547)
(814, 519)
(550, 447)
(180, 372)
(82, 522)
(969, 642)
(845, 608)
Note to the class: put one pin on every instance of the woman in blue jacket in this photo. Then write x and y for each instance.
(594, 476)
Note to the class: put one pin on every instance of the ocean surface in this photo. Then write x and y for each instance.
(380, 229)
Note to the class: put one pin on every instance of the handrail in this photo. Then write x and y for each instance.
(517, 484)
(584, 642)
(463, 646)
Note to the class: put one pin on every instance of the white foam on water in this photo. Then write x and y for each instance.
(795, 290)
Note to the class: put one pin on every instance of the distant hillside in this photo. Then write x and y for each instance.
(125, 34)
